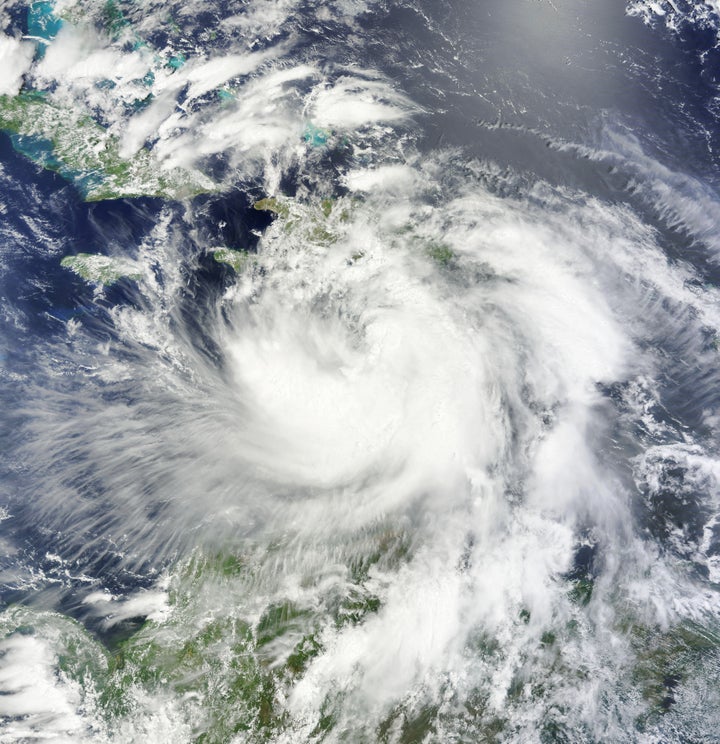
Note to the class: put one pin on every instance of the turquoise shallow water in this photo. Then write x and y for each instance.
(359, 367)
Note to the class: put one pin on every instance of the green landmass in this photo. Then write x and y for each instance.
(86, 154)
(277, 205)
(440, 252)
(236, 260)
(99, 269)
(232, 663)
(665, 660)
(317, 222)
(113, 18)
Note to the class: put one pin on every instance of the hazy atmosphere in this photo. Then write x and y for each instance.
(359, 371)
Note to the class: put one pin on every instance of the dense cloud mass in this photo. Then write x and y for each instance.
(359, 362)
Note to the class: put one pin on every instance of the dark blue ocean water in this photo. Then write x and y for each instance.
(536, 104)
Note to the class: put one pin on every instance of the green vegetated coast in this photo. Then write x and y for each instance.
(229, 662)
(221, 658)
(71, 142)
(86, 154)
(99, 269)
